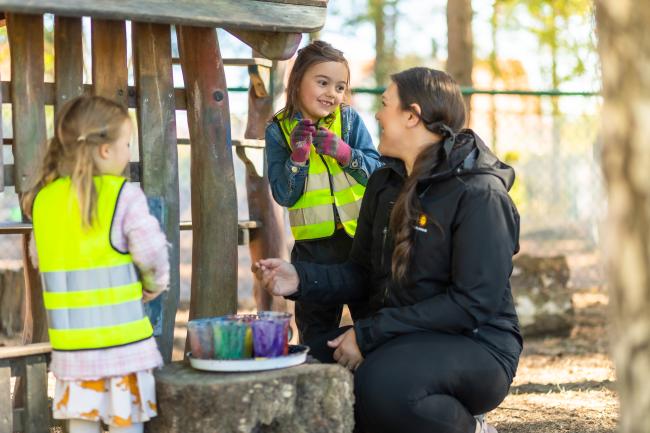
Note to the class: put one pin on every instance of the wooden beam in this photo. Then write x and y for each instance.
(68, 60)
(28, 114)
(214, 200)
(296, 16)
(159, 157)
(6, 409)
(28, 105)
(110, 73)
(272, 45)
(270, 242)
(36, 419)
(10, 352)
(2, 175)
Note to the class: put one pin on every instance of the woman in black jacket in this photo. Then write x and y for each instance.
(432, 256)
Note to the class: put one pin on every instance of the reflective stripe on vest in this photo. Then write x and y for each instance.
(327, 185)
(92, 293)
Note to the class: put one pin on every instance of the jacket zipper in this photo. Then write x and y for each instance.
(383, 246)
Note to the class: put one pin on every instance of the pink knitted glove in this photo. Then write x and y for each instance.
(301, 138)
(328, 143)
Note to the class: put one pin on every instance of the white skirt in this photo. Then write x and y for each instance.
(117, 401)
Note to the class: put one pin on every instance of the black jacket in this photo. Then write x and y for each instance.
(461, 263)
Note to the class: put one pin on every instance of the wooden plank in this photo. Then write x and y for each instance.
(271, 241)
(214, 201)
(49, 95)
(2, 175)
(68, 60)
(9, 352)
(270, 44)
(159, 158)
(258, 15)
(260, 61)
(36, 418)
(110, 73)
(6, 409)
(28, 114)
(28, 105)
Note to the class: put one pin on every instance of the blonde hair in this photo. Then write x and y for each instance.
(83, 124)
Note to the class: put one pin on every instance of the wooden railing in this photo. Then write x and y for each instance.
(28, 411)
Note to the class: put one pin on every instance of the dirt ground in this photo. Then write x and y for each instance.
(565, 384)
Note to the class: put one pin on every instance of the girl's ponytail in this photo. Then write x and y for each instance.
(406, 212)
(442, 112)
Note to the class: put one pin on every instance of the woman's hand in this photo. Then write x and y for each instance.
(278, 277)
(347, 351)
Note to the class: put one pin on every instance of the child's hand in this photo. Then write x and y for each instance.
(328, 143)
(148, 296)
(301, 138)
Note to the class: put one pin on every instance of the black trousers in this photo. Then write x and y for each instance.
(427, 382)
(317, 322)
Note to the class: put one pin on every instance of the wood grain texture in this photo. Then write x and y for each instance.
(214, 201)
(158, 151)
(278, 16)
(68, 60)
(27, 92)
(110, 73)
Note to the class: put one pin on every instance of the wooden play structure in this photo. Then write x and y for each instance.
(272, 28)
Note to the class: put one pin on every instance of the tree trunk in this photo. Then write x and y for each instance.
(624, 49)
(383, 16)
(460, 46)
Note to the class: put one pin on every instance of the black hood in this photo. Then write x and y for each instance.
(467, 154)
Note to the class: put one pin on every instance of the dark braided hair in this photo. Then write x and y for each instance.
(442, 111)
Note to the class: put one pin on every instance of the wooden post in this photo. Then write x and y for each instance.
(110, 73)
(214, 202)
(28, 115)
(27, 90)
(6, 411)
(36, 417)
(159, 159)
(68, 60)
(270, 241)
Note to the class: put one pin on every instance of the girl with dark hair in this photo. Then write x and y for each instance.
(319, 157)
(432, 259)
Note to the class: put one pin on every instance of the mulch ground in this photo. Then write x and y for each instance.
(565, 384)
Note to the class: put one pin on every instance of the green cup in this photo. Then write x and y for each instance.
(230, 338)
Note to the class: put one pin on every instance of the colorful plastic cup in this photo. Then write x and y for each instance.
(199, 332)
(248, 319)
(230, 338)
(271, 334)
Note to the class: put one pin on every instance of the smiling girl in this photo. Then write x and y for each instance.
(319, 156)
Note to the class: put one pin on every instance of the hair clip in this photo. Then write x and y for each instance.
(81, 138)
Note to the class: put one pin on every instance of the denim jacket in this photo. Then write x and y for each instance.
(287, 179)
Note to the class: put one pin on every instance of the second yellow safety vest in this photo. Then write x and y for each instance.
(92, 292)
(327, 186)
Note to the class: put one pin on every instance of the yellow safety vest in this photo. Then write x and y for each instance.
(326, 186)
(92, 292)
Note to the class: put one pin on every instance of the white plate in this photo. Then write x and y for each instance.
(297, 355)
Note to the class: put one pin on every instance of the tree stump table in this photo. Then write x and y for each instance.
(309, 398)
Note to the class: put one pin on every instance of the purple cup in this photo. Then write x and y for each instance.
(199, 331)
(271, 334)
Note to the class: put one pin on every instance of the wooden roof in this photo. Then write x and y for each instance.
(295, 16)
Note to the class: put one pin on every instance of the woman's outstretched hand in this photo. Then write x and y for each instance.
(278, 277)
(347, 351)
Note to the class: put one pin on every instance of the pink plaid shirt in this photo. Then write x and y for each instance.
(136, 230)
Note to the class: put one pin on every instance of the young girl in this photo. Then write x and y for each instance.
(99, 253)
(319, 157)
